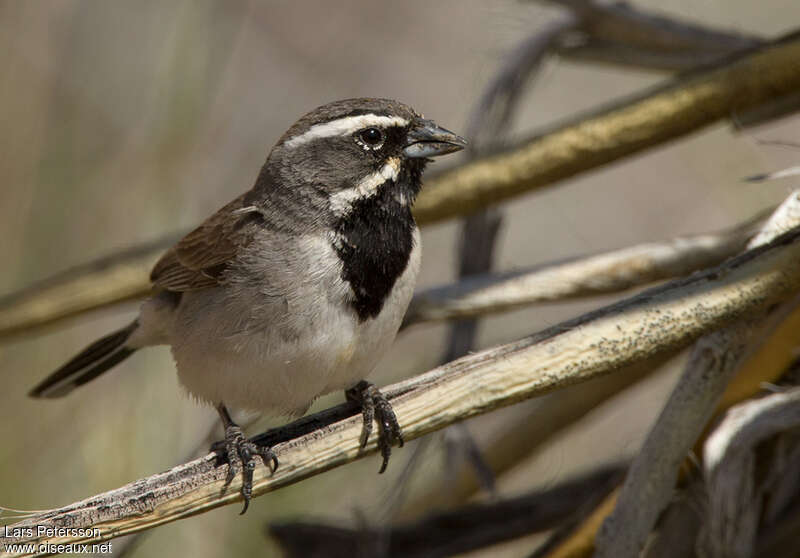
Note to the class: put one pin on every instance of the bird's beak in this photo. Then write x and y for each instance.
(427, 139)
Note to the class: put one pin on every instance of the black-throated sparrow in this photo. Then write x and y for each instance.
(297, 287)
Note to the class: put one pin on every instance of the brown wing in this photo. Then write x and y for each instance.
(200, 258)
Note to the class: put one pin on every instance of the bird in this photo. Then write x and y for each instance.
(297, 287)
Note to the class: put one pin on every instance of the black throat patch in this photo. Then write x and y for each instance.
(374, 241)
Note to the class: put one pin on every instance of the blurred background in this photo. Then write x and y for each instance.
(123, 121)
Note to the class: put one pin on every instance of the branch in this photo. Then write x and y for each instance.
(522, 437)
(780, 540)
(466, 529)
(102, 282)
(605, 273)
(679, 525)
(659, 320)
(766, 364)
(714, 360)
(490, 120)
(94, 285)
(628, 127)
(488, 126)
(579, 542)
(750, 486)
(735, 493)
(619, 33)
(784, 173)
(682, 106)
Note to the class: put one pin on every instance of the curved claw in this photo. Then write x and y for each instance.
(386, 453)
(241, 451)
(375, 405)
(269, 458)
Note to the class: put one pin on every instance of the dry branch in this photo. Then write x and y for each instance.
(661, 319)
(104, 281)
(783, 173)
(100, 283)
(679, 525)
(714, 360)
(767, 363)
(580, 542)
(526, 434)
(668, 112)
(605, 273)
(780, 540)
(488, 128)
(735, 494)
(490, 121)
(463, 530)
(650, 482)
(619, 33)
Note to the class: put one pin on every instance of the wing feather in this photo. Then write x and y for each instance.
(199, 259)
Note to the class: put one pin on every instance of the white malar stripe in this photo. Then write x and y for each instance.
(345, 126)
(342, 200)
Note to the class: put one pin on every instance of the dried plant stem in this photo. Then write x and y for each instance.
(628, 127)
(714, 360)
(660, 320)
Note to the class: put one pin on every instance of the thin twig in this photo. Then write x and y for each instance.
(784, 173)
(605, 273)
(619, 33)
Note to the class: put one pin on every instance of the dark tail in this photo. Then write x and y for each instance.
(88, 364)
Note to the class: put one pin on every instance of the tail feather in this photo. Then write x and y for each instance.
(95, 359)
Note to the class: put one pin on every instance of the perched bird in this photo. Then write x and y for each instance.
(298, 286)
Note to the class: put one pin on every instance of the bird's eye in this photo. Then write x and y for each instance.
(372, 137)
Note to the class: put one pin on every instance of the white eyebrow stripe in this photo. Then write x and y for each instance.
(342, 200)
(344, 126)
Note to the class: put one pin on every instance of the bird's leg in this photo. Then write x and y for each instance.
(375, 405)
(242, 452)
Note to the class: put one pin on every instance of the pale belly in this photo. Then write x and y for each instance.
(267, 370)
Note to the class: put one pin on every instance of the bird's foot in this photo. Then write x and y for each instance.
(375, 405)
(241, 452)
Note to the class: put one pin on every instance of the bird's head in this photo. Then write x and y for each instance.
(353, 149)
